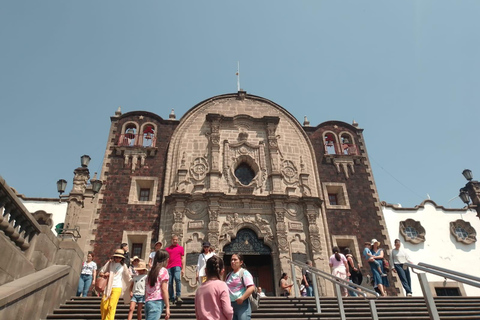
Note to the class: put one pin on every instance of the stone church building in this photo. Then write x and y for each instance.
(239, 171)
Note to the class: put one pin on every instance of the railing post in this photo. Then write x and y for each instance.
(338, 293)
(427, 293)
(294, 279)
(315, 293)
(373, 309)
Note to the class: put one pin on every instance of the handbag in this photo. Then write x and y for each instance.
(386, 265)
(101, 284)
(254, 298)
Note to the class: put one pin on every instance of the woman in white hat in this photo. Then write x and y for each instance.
(118, 281)
(380, 281)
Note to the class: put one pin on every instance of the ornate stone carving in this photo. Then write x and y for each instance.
(264, 226)
(247, 242)
(199, 169)
(177, 227)
(289, 172)
(412, 231)
(463, 231)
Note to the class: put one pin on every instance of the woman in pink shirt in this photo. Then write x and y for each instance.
(212, 300)
(156, 289)
(339, 265)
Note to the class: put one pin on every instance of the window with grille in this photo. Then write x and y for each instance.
(332, 199)
(144, 194)
(137, 249)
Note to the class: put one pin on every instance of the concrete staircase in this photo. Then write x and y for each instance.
(388, 308)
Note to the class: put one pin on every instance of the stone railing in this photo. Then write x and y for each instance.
(15, 220)
(38, 270)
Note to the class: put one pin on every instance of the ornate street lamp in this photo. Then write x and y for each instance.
(85, 160)
(96, 186)
(467, 173)
(464, 195)
(61, 186)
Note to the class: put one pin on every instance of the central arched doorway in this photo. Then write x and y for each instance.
(257, 257)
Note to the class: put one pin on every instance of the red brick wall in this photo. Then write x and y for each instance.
(362, 219)
(116, 215)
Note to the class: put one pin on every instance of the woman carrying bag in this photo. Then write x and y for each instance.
(118, 282)
(239, 290)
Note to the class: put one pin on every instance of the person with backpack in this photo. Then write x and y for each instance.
(307, 280)
(356, 275)
(240, 286)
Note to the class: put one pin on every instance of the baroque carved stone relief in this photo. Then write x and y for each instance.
(252, 155)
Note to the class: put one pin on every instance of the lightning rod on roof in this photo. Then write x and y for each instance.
(238, 75)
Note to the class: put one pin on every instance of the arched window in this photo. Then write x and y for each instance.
(129, 135)
(348, 144)
(330, 144)
(148, 136)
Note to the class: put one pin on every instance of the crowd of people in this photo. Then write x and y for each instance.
(156, 285)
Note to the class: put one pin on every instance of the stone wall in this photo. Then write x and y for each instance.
(37, 281)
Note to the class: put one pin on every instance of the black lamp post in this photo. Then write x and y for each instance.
(61, 186)
(85, 160)
(96, 186)
(470, 194)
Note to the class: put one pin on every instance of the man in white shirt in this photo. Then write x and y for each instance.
(399, 257)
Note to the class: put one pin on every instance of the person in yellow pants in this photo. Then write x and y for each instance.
(108, 307)
(118, 282)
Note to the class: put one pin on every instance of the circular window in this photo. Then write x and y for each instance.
(244, 174)
(411, 232)
(461, 233)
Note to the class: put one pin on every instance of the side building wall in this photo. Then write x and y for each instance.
(436, 242)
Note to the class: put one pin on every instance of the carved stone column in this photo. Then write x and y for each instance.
(214, 147)
(276, 175)
(76, 197)
(213, 227)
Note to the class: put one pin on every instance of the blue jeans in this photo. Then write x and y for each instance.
(174, 274)
(352, 293)
(242, 311)
(84, 284)
(404, 276)
(153, 309)
(309, 291)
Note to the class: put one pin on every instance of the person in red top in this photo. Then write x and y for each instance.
(175, 267)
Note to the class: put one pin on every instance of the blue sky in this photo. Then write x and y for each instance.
(406, 71)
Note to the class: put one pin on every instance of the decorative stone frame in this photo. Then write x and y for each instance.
(340, 189)
(417, 226)
(350, 242)
(144, 237)
(446, 284)
(143, 182)
(467, 227)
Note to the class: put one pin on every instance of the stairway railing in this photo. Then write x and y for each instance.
(442, 272)
(338, 283)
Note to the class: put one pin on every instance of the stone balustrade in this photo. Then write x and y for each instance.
(15, 220)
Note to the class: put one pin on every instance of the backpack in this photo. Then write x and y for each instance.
(254, 298)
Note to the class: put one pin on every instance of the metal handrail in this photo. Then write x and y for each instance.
(338, 282)
(455, 273)
(442, 272)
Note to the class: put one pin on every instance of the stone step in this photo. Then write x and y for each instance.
(388, 308)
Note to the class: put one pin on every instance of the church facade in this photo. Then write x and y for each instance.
(241, 172)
